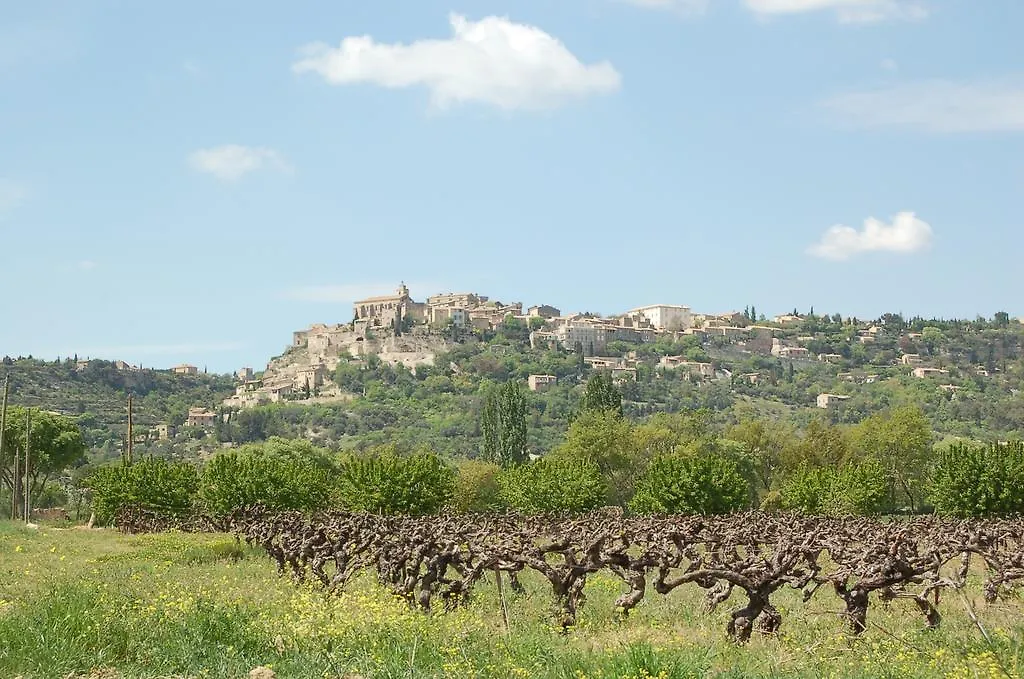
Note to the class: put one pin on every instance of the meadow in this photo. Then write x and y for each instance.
(95, 603)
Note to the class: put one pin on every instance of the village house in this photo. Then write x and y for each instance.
(543, 339)
(185, 369)
(787, 320)
(201, 417)
(543, 311)
(541, 382)
(830, 358)
(671, 317)
(792, 352)
(911, 359)
(695, 368)
(244, 374)
(929, 372)
(952, 388)
(830, 400)
(311, 377)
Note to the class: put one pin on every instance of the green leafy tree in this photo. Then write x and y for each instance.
(553, 484)
(763, 443)
(690, 484)
(280, 474)
(511, 425)
(490, 426)
(605, 439)
(855, 488)
(383, 482)
(901, 442)
(155, 484)
(55, 443)
(600, 394)
(476, 487)
(976, 480)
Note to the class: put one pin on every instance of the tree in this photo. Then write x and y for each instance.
(856, 488)
(490, 426)
(511, 425)
(553, 484)
(55, 443)
(974, 480)
(155, 484)
(280, 474)
(383, 482)
(690, 484)
(605, 439)
(763, 444)
(600, 394)
(476, 487)
(901, 443)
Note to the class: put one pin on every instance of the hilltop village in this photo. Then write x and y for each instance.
(398, 330)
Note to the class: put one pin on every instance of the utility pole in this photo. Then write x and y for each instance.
(128, 448)
(14, 486)
(3, 422)
(28, 486)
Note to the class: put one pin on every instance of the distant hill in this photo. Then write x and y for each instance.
(95, 392)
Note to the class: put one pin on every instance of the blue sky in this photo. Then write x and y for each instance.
(192, 181)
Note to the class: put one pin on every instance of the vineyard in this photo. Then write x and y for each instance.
(436, 562)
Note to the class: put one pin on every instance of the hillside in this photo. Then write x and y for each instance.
(96, 393)
(425, 388)
(966, 376)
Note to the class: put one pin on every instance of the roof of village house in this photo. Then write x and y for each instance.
(380, 298)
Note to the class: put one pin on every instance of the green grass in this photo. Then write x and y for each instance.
(95, 603)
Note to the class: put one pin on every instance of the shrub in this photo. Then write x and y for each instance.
(153, 483)
(973, 480)
(387, 483)
(476, 487)
(691, 484)
(855, 488)
(553, 484)
(278, 474)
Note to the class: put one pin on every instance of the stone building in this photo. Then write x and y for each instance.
(386, 309)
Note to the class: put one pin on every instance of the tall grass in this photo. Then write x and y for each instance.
(73, 601)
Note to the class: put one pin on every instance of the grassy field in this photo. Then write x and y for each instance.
(93, 603)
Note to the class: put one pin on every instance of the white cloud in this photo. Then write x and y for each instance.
(847, 11)
(906, 234)
(493, 61)
(936, 106)
(231, 161)
(350, 292)
(683, 7)
(87, 265)
(12, 195)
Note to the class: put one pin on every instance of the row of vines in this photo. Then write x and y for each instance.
(436, 561)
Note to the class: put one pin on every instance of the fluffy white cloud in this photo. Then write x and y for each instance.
(936, 106)
(847, 11)
(684, 7)
(12, 194)
(906, 234)
(493, 61)
(231, 161)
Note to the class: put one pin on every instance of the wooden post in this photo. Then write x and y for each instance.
(3, 425)
(131, 435)
(14, 485)
(501, 597)
(28, 447)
